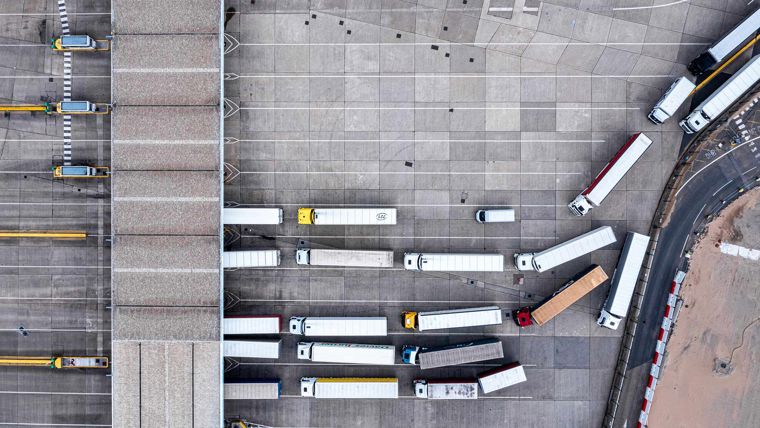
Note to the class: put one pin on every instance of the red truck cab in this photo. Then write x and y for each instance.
(522, 316)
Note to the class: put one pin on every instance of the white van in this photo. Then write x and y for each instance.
(495, 216)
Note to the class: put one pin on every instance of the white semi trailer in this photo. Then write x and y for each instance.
(252, 324)
(453, 262)
(250, 259)
(610, 175)
(728, 93)
(343, 326)
(447, 389)
(252, 349)
(347, 216)
(349, 387)
(732, 41)
(252, 215)
(501, 377)
(344, 258)
(624, 281)
(667, 106)
(452, 355)
(566, 251)
(452, 318)
(252, 389)
(347, 353)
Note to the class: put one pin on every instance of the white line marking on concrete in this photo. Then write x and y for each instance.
(402, 237)
(650, 7)
(41, 424)
(166, 70)
(358, 365)
(158, 270)
(53, 393)
(401, 140)
(409, 302)
(397, 205)
(445, 43)
(164, 199)
(698, 214)
(454, 108)
(390, 173)
(721, 188)
(444, 75)
(59, 330)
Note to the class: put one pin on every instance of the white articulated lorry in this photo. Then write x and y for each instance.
(452, 355)
(610, 175)
(344, 326)
(446, 389)
(728, 93)
(453, 262)
(501, 377)
(347, 353)
(452, 318)
(250, 259)
(349, 387)
(344, 258)
(252, 324)
(252, 215)
(732, 41)
(252, 389)
(667, 106)
(566, 251)
(624, 281)
(252, 349)
(347, 216)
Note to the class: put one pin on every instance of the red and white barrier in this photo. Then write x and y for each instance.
(659, 352)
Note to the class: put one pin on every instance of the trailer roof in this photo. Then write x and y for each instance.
(571, 294)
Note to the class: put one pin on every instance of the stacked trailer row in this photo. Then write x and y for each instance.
(252, 324)
(339, 326)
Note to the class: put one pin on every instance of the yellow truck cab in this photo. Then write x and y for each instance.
(80, 363)
(61, 172)
(306, 216)
(410, 320)
(79, 43)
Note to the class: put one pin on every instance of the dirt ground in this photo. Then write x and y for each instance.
(718, 323)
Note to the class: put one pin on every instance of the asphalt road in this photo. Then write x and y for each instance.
(718, 181)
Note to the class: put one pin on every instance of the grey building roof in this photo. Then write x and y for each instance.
(166, 138)
(165, 275)
(165, 270)
(165, 16)
(148, 70)
(166, 202)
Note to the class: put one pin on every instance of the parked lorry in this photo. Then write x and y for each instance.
(721, 49)
(349, 387)
(81, 171)
(452, 355)
(501, 377)
(347, 216)
(566, 251)
(452, 318)
(727, 94)
(250, 259)
(252, 389)
(667, 106)
(252, 349)
(347, 353)
(453, 262)
(343, 326)
(344, 258)
(446, 389)
(252, 215)
(610, 175)
(568, 294)
(79, 43)
(251, 324)
(624, 281)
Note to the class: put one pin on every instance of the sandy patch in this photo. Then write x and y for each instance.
(718, 323)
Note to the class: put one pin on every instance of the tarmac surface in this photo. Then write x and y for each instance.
(58, 291)
(440, 109)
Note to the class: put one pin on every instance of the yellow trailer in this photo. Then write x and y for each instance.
(62, 107)
(50, 234)
(13, 108)
(56, 362)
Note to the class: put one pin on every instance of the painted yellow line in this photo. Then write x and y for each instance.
(50, 234)
(730, 60)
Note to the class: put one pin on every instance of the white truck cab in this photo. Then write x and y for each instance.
(580, 205)
(296, 325)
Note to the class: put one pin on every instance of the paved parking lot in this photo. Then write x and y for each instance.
(439, 109)
(58, 291)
